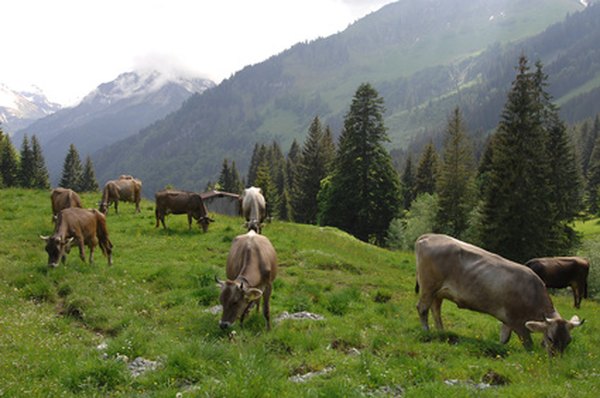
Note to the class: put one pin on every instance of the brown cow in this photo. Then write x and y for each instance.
(560, 272)
(485, 282)
(254, 208)
(126, 189)
(63, 198)
(179, 202)
(86, 227)
(251, 269)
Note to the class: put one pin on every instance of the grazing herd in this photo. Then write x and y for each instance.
(446, 268)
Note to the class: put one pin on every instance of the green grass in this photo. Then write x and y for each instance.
(151, 303)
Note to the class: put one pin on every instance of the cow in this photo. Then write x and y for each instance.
(254, 208)
(476, 279)
(85, 227)
(63, 198)
(180, 202)
(251, 270)
(126, 189)
(560, 272)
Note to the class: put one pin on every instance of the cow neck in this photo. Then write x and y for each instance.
(243, 280)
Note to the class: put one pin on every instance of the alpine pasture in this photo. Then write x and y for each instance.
(143, 327)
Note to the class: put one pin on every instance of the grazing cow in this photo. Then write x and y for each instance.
(251, 269)
(126, 189)
(63, 198)
(254, 208)
(86, 227)
(481, 281)
(179, 202)
(560, 272)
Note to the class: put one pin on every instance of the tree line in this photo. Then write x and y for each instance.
(27, 168)
(518, 199)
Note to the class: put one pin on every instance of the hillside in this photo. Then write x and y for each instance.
(81, 330)
(412, 52)
(112, 112)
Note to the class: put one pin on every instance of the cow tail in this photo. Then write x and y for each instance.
(417, 286)
(102, 233)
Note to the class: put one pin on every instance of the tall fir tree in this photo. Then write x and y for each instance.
(26, 166)
(291, 163)
(41, 179)
(9, 163)
(519, 217)
(88, 177)
(364, 192)
(254, 163)
(427, 171)
(407, 183)
(456, 182)
(72, 171)
(312, 167)
(593, 180)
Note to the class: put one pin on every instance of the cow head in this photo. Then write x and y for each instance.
(235, 298)
(556, 332)
(103, 207)
(253, 225)
(204, 222)
(57, 248)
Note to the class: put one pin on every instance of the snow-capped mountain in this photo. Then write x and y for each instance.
(110, 113)
(18, 109)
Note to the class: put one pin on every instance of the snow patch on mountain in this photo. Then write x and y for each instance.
(18, 108)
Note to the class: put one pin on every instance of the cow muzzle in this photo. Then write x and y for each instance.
(224, 325)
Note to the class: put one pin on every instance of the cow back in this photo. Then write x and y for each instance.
(559, 272)
(253, 257)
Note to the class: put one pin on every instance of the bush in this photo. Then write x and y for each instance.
(420, 219)
(591, 250)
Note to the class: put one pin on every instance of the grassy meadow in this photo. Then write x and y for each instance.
(76, 330)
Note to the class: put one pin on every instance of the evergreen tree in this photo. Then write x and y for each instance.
(254, 163)
(26, 166)
(427, 170)
(72, 172)
(88, 177)
(41, 180)
(9, 163)
(407, 184)
(224, 181)
(311, 168)
(518, 214)
(236, 182)
(456, 183)
(263, 180)
(364, 193)
(593, 182)
(291, 162)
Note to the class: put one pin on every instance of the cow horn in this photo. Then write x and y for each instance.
(219, 282)
(574, 322)
(42, 237)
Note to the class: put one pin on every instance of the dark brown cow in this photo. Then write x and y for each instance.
(85, 227)
(254, 208)
(63, 198)
(179, 202)
(481, 281)
(560, 272)
(126, 189)
(251, 270)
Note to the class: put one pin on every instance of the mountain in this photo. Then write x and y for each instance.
(423, 57)
(18, 109)
(110, 113)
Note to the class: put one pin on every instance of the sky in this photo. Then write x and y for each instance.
(69, 47)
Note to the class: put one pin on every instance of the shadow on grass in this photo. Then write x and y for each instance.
(478, 347)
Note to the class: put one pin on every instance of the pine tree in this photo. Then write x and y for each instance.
(72, 172)
(9, 163)
(224, 181)
(427, 171)
(518, 214)
(41, 180)
(456, 183)
(88, 178)
(263, 181)
(254, 163)
(26, 166)
(364, 193)
(312, 167)
(236, 182)
(593, 182)
(407, 183)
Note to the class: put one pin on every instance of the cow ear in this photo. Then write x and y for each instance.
(536, 326)
(574, 322)
(252, 294)
(42, 237)
(69, 241)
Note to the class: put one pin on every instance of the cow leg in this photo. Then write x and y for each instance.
(423, 306)
(137, 206)
(267, 306)
(246, 310)
(189, 221)
(157, 216)
(116, 207)
(436, 311)
(92, 254)
(505, 333)
(525, 337)
(81, 250)
(576, 294)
